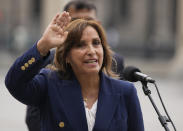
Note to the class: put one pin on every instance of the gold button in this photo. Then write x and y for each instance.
(23, 68)
(30, 62)
(33, 59)
(26, 65)
(61, 124)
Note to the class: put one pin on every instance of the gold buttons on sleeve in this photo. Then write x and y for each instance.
(33, 59)
(30, 62)
(22, 68)
(26, 65)
(61, 124)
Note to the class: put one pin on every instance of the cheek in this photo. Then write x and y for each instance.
(75, 56)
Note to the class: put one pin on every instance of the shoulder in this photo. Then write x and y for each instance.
(123, 87)
(121, 84)
(126, 90)
(49, 73)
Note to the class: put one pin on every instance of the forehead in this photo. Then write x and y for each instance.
(89, 32)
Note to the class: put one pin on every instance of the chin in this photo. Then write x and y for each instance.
(92, 71)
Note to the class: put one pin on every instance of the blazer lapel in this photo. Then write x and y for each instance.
(73, 105)
(107, 103)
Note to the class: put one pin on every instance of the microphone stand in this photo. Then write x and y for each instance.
(163, 119)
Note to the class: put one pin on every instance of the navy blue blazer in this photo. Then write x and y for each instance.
(60, 101)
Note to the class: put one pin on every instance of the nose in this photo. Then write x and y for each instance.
(90, 50)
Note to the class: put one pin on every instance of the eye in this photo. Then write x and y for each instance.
(96, 42)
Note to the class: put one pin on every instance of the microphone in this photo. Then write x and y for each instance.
(133, 74)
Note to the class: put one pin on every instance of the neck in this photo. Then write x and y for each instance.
(89, 81)
(89, 85)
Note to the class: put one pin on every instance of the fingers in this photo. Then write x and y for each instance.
(55, 19)
(63, 19)
(58, 24)
(55, 27)
(67, 18)
(59, 31)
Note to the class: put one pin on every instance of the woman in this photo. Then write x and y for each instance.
(78, 93)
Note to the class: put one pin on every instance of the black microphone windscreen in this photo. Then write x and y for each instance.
(129, 73)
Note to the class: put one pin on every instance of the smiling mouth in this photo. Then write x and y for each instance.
(91, 61)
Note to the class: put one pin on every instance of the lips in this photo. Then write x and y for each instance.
(91, 61)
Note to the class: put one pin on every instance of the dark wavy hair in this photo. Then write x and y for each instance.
(80, 5)
(75, 30)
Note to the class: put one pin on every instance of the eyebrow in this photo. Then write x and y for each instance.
(97, 38)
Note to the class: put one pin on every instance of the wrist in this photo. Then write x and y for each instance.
(41, 46)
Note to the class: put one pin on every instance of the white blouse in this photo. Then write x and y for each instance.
(91, 115)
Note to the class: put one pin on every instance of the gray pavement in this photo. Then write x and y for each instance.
(12, 112)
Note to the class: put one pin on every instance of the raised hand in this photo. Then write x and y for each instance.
(54, 34)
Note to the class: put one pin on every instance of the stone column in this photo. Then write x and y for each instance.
(49, 10)
(177, 62)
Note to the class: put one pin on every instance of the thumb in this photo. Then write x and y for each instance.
(65, 35)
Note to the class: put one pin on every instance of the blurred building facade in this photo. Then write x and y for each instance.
(150, 30)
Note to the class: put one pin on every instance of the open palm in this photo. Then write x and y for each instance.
(55, 35)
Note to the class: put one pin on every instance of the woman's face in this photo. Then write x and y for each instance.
(86, 57)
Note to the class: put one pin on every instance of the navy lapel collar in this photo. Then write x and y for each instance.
(73, 104)
(107, 102)
(72, 98)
